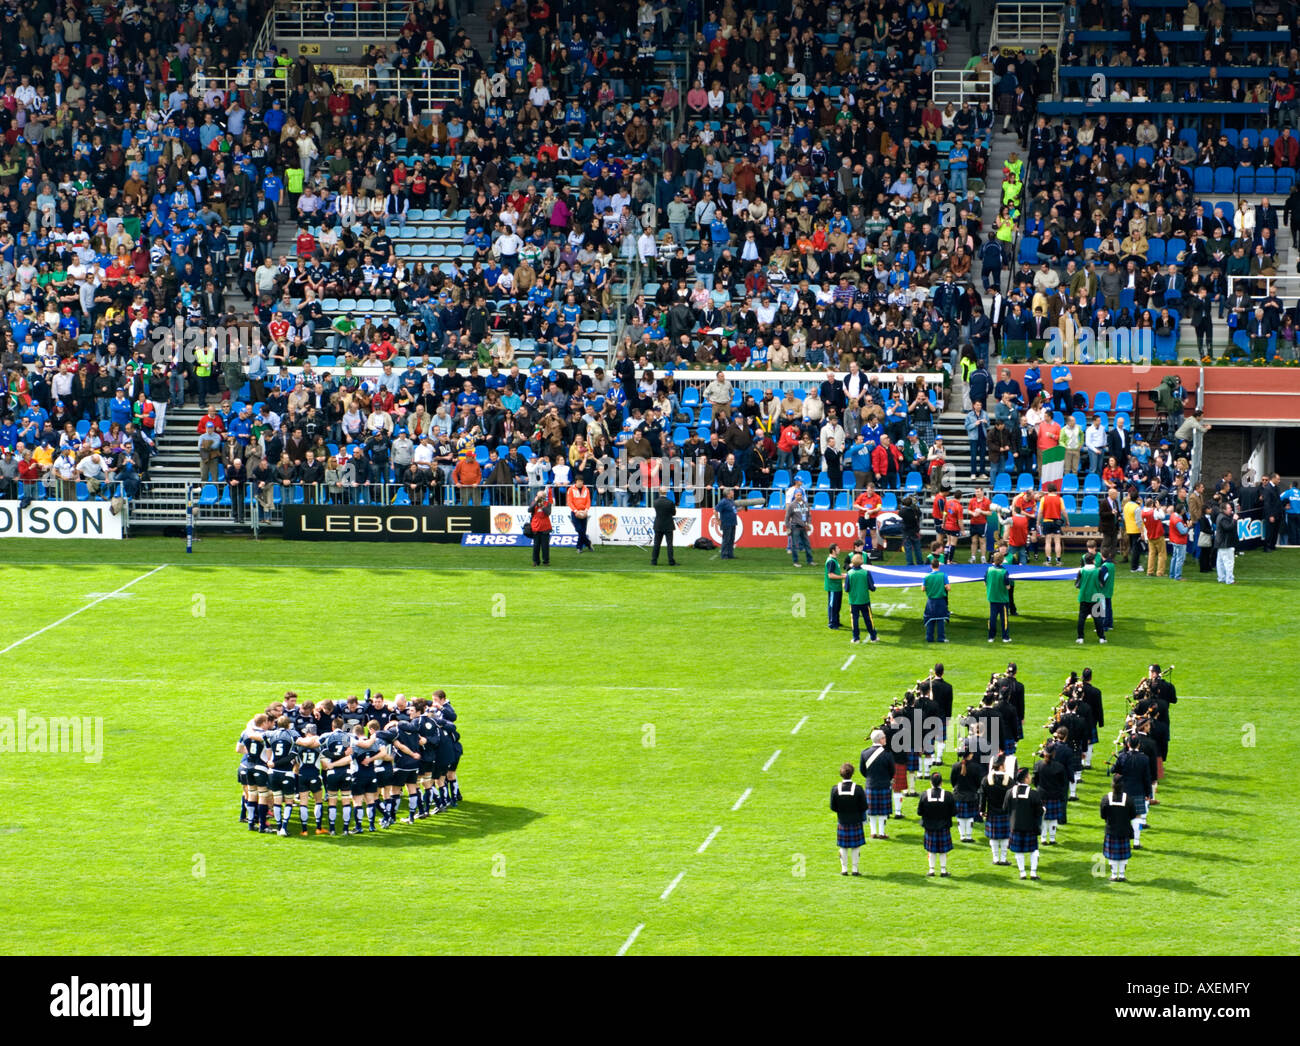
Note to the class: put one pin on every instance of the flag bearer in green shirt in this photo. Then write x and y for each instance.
(936, 602)
(834, 584)
(859, 584)
(995, 586)
(1092, 600)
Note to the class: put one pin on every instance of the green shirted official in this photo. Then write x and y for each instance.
(1090, 584)
(936, 603)
(833, 582)
(999, 597)
(1108, 572)
(859, 584)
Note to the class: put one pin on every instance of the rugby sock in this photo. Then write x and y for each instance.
(302, 816)
(317, 811)
(370, 812)
(347, 817)
(442, 791)
(256, 818)
(278, 813)
(334, 814)
(844, 860)
(1137, 831)
(1020, 863)
(428, 797)
(243, 808)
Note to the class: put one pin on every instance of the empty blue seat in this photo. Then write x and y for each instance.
(781, 479)
(1024, 482)
(913, 483)
(1002, 482)
(1092, 483)
(822, 500)
(1001, 500)
(1090, 504)
(777, 500)
(1224, 179)
(1102, 401)
(1203, 179)
(209, 495)
(1070, 484)
(1029, 250)
(889, 501)
(1124, 402)
(1070, 504)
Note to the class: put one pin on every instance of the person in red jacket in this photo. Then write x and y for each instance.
(868, 505)
(213, 419)
(886, 460)
(1286, 150)
(786, 445)
(1178, 531)
(979, 507)
(1153, 526)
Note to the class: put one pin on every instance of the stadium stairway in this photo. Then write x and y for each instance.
(479, 31)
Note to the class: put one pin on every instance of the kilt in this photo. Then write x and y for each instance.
(966, 809)
(997, 826)
(900, 775)
(879, 803)
(1160, 768)
(1009, 746)
(849, 836)
(1139, 804)
(1115, 849)
(913, 762)
(938, 840)
(1095, 738)
(1023, 842)
(1054, 810)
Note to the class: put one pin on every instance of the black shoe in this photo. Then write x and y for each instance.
(842, 872)
(857, 873)
(943, 875)
(1034, 876)
(672, 562)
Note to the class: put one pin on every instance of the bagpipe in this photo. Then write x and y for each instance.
(1144, 688)
(1133, 721)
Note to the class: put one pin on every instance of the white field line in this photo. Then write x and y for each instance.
(671, 886)
(82, 610)
(630, 938)
(822, 695)
(743, 796)
(845, 667)
(768, 765)
(712, 835)
(799, 724)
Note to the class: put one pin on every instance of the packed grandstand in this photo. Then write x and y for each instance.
(505, 247)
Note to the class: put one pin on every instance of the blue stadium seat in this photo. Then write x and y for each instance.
(1029, 250)
(781, 479)
(1091, 505)
(1224, 179)
(1002, 483)
(777, 500)
(1070, 504)
(209, 495)
(1203, 179)
(1266, 183)
(1001, 500)
(1092, 483)
(1024, 481)
(822, 500)
(1124, 402)
(889, 501)
(1285, 177)
(804, 477)
(913, 483)
(1101, 402)
(1156, 252)
(1246, 182)
(1070, 484)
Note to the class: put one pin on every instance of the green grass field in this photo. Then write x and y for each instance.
(612, 717)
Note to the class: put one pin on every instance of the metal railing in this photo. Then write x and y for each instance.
(1258, 287)
(432, 88)
(1026, 25)
(376, 20)
(960, 85)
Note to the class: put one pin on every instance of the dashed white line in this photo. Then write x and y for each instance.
(743, 796)
(768, 765)
(630, 938)
(671, 886)
(712, 835)
(799, 724)
(845, 667)
(82, 610)
(822, 695)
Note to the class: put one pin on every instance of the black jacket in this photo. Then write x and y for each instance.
(1051, 779)
(941, 691)
(1025, 806)
(936, 810)
(849, 801)
(1135, 768)
(1093, 696)
(665, 510)
(877, 767)
(1118, 814)
(993, 793)
(965, 786)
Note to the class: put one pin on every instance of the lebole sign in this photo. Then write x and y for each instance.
(382, 522)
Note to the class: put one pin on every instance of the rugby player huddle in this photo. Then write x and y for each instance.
(359, 756)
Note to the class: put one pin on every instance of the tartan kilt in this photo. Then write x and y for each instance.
(849, 836)
(997, 826)
(1115, 849)
(1023, 842)
(1139, 804)
(1054, 810)
(900, 775)
(1009, 746)
(938, 840)
(1095, 738)
(913, 762)
(878, 802)
(966, 809)
(1005, 103)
